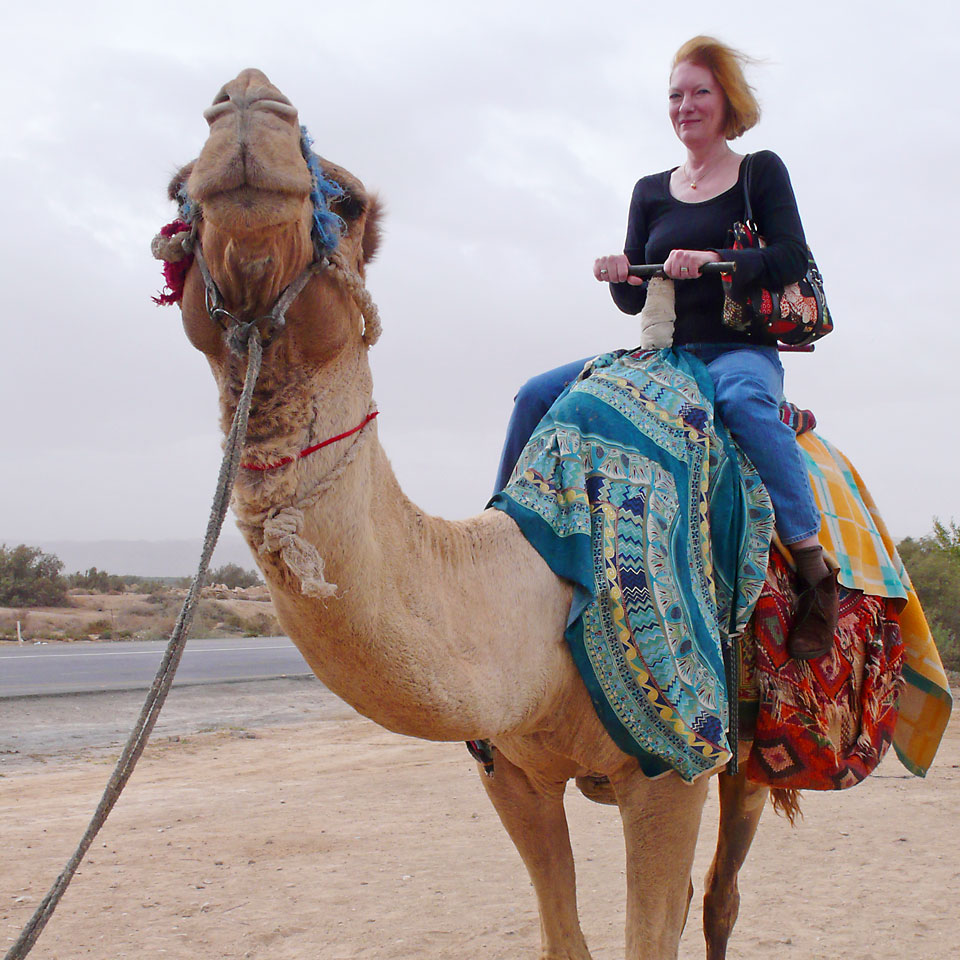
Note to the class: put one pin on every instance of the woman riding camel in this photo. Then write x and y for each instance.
(682, 218)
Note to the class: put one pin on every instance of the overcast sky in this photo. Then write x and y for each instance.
(505, 139)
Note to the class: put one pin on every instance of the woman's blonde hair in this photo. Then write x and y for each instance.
(726, 65)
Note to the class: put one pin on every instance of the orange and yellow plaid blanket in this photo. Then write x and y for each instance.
(854, 533)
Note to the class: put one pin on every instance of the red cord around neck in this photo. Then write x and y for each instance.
(313, 449)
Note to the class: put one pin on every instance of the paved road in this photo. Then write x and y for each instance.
(62, 668)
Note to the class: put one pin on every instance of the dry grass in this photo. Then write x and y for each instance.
(138, 616)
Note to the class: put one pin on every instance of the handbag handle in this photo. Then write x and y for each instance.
(747, 208)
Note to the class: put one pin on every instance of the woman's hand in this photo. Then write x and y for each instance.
(686, 264)
(613, 269)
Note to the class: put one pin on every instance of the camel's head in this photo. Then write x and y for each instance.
(265, 206)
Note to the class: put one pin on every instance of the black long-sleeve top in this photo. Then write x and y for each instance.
(659, 223)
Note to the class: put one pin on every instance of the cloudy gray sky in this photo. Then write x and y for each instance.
(505, 139)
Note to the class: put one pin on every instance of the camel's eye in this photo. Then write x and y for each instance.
(348, 206)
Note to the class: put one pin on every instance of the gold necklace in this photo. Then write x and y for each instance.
(690, 180)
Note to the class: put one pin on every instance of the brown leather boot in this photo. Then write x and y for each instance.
(816, 623)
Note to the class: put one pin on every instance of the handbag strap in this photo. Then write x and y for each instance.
(747, 208)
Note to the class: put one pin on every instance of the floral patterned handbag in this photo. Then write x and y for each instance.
(796, 315)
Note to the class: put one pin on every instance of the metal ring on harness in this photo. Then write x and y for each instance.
(274, 320)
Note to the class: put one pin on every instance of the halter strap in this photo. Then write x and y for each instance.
(306, 451)
(239, 329)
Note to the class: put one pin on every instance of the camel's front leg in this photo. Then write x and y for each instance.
(661, 819)
(534, 817)
(741, 804)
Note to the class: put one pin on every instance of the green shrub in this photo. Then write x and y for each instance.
(102, 628)
(933, 563)
(97, 581)
(31, 578)
(232, 575)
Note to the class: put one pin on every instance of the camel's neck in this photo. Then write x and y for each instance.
(296, 410)
(444, 630)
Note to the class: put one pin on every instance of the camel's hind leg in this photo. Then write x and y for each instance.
(741, 804)
(661, 820)
(534, 817)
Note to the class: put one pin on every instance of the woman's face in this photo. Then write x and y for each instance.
(698, 105)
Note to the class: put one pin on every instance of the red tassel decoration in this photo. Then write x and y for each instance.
(174, 271)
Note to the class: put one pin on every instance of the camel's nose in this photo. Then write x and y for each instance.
(251, 90)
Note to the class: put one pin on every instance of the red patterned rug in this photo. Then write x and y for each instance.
(820, 724)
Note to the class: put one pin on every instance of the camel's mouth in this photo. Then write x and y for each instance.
(254, 143)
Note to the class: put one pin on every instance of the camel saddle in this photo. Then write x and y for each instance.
(634, 491)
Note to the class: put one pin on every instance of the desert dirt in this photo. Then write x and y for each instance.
(292, 828)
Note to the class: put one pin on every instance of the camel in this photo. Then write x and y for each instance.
(447, 631)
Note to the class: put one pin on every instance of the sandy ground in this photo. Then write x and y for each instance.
(293, 829)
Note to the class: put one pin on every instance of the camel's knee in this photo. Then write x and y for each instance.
(719, 917)
(721, 902)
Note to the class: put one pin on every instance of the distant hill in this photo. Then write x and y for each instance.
(144, 558)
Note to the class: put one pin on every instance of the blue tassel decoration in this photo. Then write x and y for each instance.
(327, 226)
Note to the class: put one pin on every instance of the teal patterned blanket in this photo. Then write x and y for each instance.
(632, 490)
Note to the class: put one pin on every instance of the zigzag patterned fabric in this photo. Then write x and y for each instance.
(631, 490)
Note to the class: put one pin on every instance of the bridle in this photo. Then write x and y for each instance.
(247, 337)
(325, 233)
(279, 529)
(271, 323)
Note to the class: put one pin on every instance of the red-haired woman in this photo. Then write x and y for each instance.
(681, 218)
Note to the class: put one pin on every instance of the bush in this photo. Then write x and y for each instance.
(102, 628)
(232, 575)
(31, 578)
(254, 625)
(153, 585)
(97, 581)
(934, 566)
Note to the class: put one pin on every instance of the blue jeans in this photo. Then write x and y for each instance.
(748, 382)
(532, 401)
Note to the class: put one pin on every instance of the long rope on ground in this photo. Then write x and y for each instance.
(140, 734)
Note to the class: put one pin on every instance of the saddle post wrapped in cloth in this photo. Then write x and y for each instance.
(631, 489)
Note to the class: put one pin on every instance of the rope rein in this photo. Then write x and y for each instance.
(162, 682)
(281, 533)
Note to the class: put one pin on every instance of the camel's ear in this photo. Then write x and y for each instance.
(371, 228)
(178, 180)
